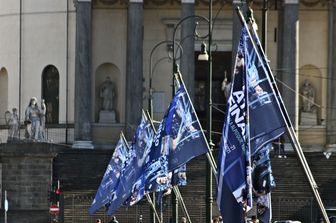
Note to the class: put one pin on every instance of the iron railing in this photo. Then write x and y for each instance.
(61, 133)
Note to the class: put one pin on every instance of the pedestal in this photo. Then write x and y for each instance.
(107, 117)
(308, 118)
(82, 145)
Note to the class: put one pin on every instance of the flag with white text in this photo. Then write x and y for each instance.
(253, 119)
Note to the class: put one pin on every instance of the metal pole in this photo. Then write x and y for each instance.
(67, 73)
(184, 208)
(151, 70)
(150, 90)
(150, 108)
(209, 197)
(264, 25)
(150, 201)
(176, 71)
(6, 206)
(20, 63)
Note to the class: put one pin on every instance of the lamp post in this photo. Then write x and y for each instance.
(175, 69)
(209, 197)
(208, 57)
(151, 70)
(150, 89)
(264, 25)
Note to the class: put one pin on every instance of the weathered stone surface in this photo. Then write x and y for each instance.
(26, 176)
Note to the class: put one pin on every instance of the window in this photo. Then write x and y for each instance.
(50, 93)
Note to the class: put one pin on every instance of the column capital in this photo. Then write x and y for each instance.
(291, 1)
(75, 2)
(188, 1)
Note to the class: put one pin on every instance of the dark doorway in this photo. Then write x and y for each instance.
(221, 66)
(50, 93)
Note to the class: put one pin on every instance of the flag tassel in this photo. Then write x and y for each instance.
(289, 126)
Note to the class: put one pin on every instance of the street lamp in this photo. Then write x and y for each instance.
(203, 56)
(151, 70)
(175, 69)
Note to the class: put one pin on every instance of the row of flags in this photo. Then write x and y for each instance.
(155, 160)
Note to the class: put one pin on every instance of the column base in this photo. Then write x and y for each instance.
(82, 145)
(330, 147)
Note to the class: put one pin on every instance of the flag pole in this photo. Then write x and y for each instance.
(248, 147)
(122, 136)
(294, 140)
(211, 159)
(149, 199)
(179, 195)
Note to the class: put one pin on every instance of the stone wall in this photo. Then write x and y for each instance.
(26, 176)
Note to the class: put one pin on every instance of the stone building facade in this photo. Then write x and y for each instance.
(53, 49)
(63, 50)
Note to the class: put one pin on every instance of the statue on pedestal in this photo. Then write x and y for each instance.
(226, 87)
(107, 94)
(308, 108)
(33, 120)
(12, 119)
(43, 111)
(308, 93)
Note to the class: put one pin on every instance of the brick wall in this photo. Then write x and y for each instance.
(26, 175)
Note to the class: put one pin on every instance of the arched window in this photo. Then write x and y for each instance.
(50, 93)
(3, 93)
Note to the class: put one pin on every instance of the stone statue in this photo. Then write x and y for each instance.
(43, 111)
(107, 93)
(32, 120)
(107, 113)
(308, 97)
(308, 115)
(226, 87)
(14, 125)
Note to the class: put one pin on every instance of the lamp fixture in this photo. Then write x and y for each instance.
(203, 56)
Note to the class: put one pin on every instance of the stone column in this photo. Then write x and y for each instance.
(288, 61)
(331, 88)
(83, 79)
(188, 44)
(134, 69)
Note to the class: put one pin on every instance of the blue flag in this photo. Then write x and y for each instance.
(232, 185)
(266, 122)
(186, 139)
(263, 183)
(130, 180)
(111, 176)
(156, 170)
(251, 99)
(179, 139)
